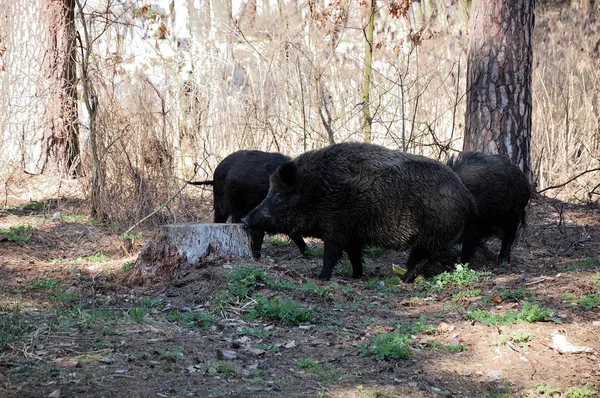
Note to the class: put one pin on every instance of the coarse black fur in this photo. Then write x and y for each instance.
(352, 195)
(240, 183)
(501, 192)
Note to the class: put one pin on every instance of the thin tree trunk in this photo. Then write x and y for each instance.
(369, 33)
(498, 116)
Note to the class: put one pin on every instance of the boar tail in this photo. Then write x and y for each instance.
(207, 182)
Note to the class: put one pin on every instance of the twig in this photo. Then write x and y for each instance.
(164, 204)
(570, 180)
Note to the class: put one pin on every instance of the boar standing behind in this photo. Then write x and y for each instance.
(352, 195)
(240, 183)
(501, 192)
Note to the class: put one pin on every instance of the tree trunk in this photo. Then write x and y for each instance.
(62, 139)
(369, 33)
(498, 116)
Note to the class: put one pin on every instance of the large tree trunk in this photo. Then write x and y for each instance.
(62, 137)
(498, 116)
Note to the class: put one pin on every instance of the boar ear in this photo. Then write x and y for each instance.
(286, 175)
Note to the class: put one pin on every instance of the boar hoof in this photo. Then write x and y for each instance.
(324, 277)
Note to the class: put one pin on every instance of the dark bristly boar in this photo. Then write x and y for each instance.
(501, 192)
(352, 195)
(240, 183)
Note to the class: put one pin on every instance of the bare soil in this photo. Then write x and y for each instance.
(81, 338)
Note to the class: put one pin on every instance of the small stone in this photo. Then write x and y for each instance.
(226, 354)
(494, 374)
(255, 351)
(290, 344)
(121, 371)
(55, 393)
(107, 360)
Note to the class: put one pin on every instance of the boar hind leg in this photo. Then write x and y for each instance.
(507, 240)
(297, 239)
(417, 253)
(332, 254)
(470, 242)
(355, 256)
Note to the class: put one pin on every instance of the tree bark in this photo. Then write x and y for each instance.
(62, 139)
(498, 116)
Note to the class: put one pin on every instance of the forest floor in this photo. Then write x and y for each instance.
(73, 325)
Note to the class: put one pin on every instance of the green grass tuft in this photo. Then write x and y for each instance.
(44, 284)
(287, 311)
(588, 263)
(579, 392)
(389, 346)
(324, 372)
(529, 313)
(590, 301)
(545, 389)
(19, 233)
(190, 319)
(461, 276)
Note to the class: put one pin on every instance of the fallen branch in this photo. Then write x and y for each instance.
(570, 180)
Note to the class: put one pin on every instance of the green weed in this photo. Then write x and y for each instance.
(20, 233)
(254, 332)
(190, 319)
(578, 392)
(313, 288)
(316, 252)
(175, 352)
(461, 276)
(275, 241)
(127, 266)
(569, 297)
(281, 284)
(435, 346)
(95, 258)
(131, 236)
(417, 326)
(12, 328)
(74, 218)
(545, 389)
(521, 337)
(287, 311)
(324, 372)
(588, 263)
(65, 297)
(372, 251)
(225, 368)
(137, 314)
(44, 284)
(386, 285)
(596, 278)
(590, 301)
(36, 206)
(516, 295)
(244, 281)
(389, 346)
(529, 313)
(466, 293)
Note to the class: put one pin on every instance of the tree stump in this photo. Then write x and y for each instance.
(177, 247)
